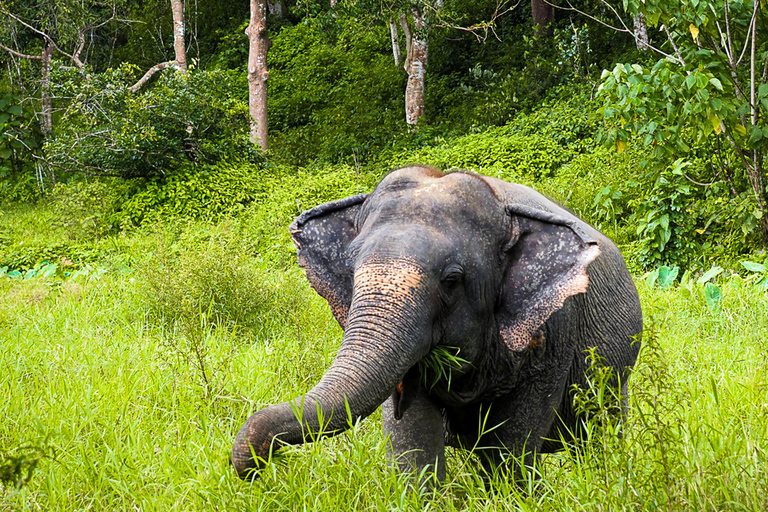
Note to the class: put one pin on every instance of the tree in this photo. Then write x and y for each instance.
(258, 75)
(418, 18)
(711, 82)
(49, 29)
(543, 15)
(179, 48)
(416, 30)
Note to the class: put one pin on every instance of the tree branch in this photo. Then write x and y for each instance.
(18, 54)
(151, 71)
(481, 29)
(674, 46)
(607, 25)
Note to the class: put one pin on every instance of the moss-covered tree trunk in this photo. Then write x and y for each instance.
(257, 71)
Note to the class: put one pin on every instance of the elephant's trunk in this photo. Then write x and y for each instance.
(382, 340)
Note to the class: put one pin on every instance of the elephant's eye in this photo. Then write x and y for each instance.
(452, 276)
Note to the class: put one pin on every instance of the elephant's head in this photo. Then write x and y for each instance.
(427, 259)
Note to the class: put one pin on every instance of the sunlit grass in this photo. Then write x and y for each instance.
(128, 421)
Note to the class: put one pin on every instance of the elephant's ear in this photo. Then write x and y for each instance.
(322, 236)
(548, 257)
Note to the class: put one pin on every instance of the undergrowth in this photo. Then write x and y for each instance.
(139, 394)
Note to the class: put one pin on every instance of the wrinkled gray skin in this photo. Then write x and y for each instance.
(518, 283)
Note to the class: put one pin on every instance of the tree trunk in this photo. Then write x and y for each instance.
(543, 16)
(640, 32)
(257, 72)
(177, 7)
(417, 46)
(395, 40)
(46, 105)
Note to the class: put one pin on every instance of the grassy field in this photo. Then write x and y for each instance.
(127, 381)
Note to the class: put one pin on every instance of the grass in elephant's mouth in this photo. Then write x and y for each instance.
(438, 365)
(133, 422)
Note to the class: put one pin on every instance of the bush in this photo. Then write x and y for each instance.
(86, 208)
(335, 93)
(205, 275)
(200, 117)
(194, 192)
(495, 152)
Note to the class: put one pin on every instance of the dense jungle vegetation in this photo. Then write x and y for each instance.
(149, 294)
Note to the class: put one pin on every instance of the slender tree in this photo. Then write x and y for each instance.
(180, 53)
(640, 31)
(258, 75)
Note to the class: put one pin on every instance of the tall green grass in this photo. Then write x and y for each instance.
(130, 408)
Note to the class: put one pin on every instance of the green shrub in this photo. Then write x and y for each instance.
(200, 117)
(496, 152)
(85, 209)
(195, 192)
(202, 275)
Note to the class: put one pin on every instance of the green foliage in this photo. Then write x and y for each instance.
(206, 276)
(335, 93)
(498, 152)
(696, 103)
(19, 136)
(205, 191)
(200, 117)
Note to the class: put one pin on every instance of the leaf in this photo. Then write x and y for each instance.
(713, 296)
(651, 277)
(717, 83)
(49, 270)
(694, 31)
(667, 276)
(621, 145)
(709, 274)
(753, 267)
(740, 129)
(716, 124)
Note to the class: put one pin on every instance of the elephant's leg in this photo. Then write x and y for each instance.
(417, 440)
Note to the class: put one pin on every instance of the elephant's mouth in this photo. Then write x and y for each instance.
(444, 374)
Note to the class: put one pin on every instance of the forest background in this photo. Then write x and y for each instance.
(153, 153)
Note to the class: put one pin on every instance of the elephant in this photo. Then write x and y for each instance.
(516, 285)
